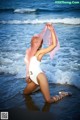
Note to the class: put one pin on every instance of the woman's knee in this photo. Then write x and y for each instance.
(29, 88)
(25, 92)
(48, 100)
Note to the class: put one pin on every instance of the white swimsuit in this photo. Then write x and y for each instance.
(34, 69)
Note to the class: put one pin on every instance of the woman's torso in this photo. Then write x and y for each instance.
(34, 64)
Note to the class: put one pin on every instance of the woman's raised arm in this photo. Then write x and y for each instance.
(54, 42)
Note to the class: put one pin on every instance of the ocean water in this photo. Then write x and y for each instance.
(19, 21)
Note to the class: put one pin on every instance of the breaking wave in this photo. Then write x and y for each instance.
(67, 21)
(30, 10)
(24, 10)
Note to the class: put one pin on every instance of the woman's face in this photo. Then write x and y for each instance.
(36, 42)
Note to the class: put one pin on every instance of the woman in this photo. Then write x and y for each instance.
(36, 77)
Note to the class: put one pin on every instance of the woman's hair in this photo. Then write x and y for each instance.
(41, 44)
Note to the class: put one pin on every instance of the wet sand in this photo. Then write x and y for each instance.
(34, 107)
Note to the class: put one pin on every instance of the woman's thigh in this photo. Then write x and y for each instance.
(44, 86)
(30, 88)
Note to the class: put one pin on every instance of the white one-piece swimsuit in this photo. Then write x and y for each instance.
(34, 69)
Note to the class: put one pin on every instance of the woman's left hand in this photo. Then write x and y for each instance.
(28, 80)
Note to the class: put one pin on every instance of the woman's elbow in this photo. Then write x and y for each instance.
(53, 46)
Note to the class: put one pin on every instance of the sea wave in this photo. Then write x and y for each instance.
(22, 10)
(30, 10)
(67, 21)
(26, 10)
(57, 75)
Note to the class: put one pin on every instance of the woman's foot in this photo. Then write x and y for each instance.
(63, 93)
(56, 98)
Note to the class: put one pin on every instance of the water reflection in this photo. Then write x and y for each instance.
(32, 106)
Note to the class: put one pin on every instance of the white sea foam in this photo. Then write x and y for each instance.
(67, 21)
(12, 64)
(5, 61)
(54, 74)
(24, 10)
(66, 77)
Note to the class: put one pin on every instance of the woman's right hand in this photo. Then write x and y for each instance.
(28, 80)
(49, 26)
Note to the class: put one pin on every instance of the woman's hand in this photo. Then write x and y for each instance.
(28, 80)
(49, 26)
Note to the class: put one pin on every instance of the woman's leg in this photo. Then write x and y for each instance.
(30, 88)
(42, 80)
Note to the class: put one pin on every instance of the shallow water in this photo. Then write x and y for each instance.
(66, 108)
